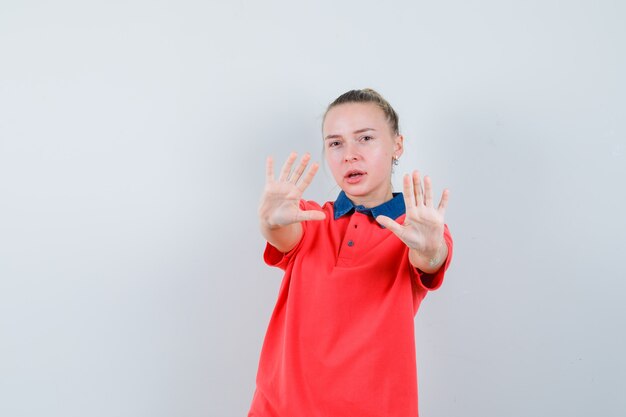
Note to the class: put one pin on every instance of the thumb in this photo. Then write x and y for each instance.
(311, 215)
(390, 224)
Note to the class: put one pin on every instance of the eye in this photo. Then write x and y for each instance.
(366, 138)
(333, 143)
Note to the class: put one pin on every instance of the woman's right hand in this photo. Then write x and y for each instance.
(280, 202)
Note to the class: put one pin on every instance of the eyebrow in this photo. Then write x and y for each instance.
(365, 129)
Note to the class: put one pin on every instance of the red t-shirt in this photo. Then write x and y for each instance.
(340, 342)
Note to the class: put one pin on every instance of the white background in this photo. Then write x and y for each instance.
(133, 136)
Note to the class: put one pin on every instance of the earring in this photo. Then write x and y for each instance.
(395, 160)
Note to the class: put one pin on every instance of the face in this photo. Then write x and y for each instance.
(359, 147)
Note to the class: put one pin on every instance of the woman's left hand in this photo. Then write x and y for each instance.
(423, 227)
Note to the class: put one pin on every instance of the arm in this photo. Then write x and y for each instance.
(429, 263)
(280, 215)
(423, 228)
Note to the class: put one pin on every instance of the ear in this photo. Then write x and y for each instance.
(398, 145)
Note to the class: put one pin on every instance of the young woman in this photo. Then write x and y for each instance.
(341, 340)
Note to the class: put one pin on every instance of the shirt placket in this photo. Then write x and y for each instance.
(352, 244)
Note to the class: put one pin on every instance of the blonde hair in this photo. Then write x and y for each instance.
(368, 95)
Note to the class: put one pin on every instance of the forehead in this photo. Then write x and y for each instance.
(348, 117)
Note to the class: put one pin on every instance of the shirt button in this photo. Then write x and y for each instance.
(350, 243)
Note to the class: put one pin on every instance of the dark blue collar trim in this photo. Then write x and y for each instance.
(393, 208)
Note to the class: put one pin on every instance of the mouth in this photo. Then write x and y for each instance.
(354, 176)
(354, 173)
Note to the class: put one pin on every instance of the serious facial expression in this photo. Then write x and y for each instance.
(359, 147)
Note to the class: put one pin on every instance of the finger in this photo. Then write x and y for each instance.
(428, 192)
(315, 215)
(308, 177)
(443, 203)
(390, 224)
(295, 176)
(286, 170)
(269, 169)
(417, 186)
(407, 192)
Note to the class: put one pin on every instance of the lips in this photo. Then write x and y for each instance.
(354, 176)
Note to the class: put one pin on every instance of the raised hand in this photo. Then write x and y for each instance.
(423, 226)
(280, 200)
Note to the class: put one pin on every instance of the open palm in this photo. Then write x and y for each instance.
(423, 225)
(280, 202)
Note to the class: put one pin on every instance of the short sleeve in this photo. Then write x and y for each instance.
(431, 282)
(274, 257)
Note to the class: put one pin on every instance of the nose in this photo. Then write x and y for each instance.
(350, 154)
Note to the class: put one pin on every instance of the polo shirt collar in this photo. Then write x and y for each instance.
(393, 208)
